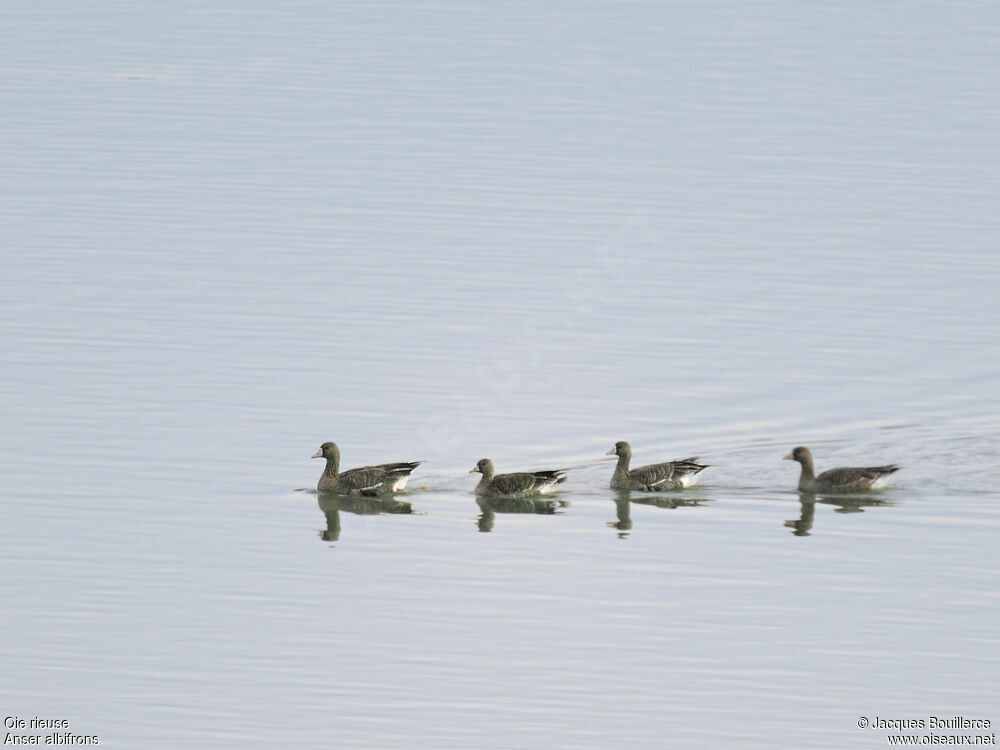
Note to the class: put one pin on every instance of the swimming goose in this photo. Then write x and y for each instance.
(383, 479)
(517, 485)
(671, 475)
(845, 479)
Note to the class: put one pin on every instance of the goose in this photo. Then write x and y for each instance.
(670, 475)
(517, 485)
(844, 479)
(383, 479)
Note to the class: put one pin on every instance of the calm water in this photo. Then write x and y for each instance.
(449, 231)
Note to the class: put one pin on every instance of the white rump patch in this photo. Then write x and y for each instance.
(689, 480)
(400, 483)
(881, 482)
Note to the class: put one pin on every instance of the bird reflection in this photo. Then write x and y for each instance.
(625, 498)
(804, 522)
(802, 525)
(623, 509)
(331, 504)
(490, 506)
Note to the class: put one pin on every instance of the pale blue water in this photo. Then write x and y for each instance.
(443, 232)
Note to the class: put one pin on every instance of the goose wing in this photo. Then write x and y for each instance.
(688, 466)
(857, 477)
(379, 478)
(524, 482)
(662, 475)
(514, 484)
(553, 476)
(364, 478)
(402, 467)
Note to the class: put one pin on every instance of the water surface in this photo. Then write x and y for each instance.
(446, 232)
